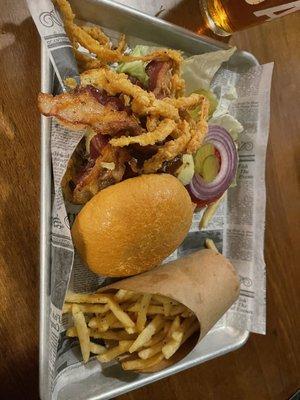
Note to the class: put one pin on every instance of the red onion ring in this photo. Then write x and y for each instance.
(209, 191)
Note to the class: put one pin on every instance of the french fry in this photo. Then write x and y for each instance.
(151, 351)
(93, 323)
(187, 328)
(174, 331)
(135, 297)
(142, 313)
(108, 335)
(130, 330)
(103, 323)
(116, 351)
(187, 314)
(99, 324)
(167, 327)
(151, 309)
(121, 321)
(174, 326)
(131, 307)
(67, 308)
(117, 325)
(170, 348)
(192, 329)
(88, 298)
(120, 314)
(97, 348)
(86, 308)
(138, 364)
(163, 299)
(83, 332)
(110, 318)
(166, 302)
(209, 212)
(160, 299)
(187, 323)
(126, 305)
(112, 335)
(209, 244)
(153, 327)
(177, 336)
(156, 338)
(176, 310)
(123, 295)
(123, 357)
(71, 332)
(179, 331)
(167, 308)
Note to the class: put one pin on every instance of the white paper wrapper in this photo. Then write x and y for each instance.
(204, 281)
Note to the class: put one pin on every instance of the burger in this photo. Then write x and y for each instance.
(132, 226)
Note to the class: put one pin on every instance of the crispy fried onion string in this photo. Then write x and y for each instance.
(169, 150)
(163, 130)
(143, 102)
(86, 62)
(96, 33)
(93, 41)
(200, 129)
(186, 102)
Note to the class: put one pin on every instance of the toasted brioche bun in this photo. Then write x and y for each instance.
(132, 226)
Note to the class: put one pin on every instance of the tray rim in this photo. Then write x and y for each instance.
(174, 369)
(45, 204)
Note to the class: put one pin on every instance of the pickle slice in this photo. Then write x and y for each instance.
(202, 153)
(186, 171)
(210, 169)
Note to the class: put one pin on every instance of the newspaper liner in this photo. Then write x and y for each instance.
(51, 29)
(205, 282)
(237, 228)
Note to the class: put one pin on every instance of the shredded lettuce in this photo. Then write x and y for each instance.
(137, 69)
(227, 121)
(213, 103)
(226, 94)
(142, 50)
(199, 70)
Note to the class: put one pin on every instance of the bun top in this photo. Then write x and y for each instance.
(132, 226)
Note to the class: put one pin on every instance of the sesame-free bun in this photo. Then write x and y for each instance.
(132, 226)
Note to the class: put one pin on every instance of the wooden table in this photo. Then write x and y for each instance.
(268, 367)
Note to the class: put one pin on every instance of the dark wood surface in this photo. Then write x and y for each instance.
(268, 367)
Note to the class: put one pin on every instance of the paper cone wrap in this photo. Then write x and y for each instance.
(205, 282)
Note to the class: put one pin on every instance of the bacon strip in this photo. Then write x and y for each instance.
(82, 109)
(82, 183)
(160, 74)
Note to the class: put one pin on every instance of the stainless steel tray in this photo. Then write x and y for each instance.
(221, 339)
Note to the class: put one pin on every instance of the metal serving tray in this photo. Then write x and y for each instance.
(221, 339)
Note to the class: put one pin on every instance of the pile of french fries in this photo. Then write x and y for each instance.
(139, 330)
